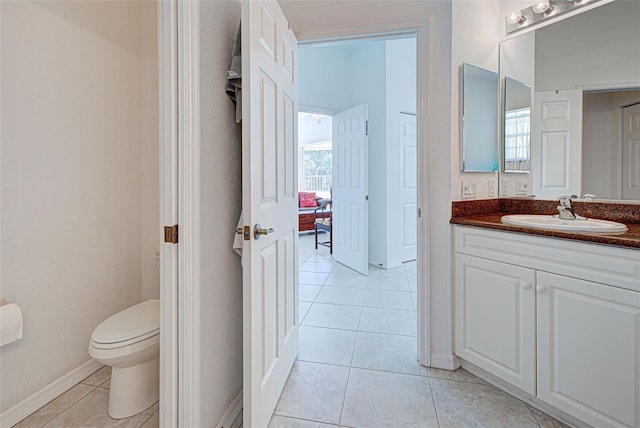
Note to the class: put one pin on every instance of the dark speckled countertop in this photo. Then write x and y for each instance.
(487, 213)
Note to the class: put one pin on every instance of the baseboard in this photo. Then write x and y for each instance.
(30, 404)
(444, 361)
(232, 412)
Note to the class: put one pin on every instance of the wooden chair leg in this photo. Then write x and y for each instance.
(316, 229)
(331, 239)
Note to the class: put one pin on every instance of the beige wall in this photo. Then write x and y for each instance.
(220, 204)
(78, 175)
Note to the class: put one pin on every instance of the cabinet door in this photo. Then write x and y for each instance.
(495, 319)
(589, 350)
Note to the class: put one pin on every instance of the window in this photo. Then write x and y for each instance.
(517, 125)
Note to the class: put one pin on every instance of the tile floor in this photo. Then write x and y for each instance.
(85, 405)
(357, 364)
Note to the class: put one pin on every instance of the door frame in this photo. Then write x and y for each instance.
(179, 66)
(419, 28)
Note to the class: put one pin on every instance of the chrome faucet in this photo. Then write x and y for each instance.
(565, 210)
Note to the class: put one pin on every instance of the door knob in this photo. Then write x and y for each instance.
(540, 288)
(259, 231)
(525, 284)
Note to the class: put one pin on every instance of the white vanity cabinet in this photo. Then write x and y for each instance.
(557, 319)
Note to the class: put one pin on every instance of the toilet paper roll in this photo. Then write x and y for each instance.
(10, 323)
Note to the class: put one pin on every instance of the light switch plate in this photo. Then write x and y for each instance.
(469, 189)
(491, 188)
(505, 187)
(522, 186)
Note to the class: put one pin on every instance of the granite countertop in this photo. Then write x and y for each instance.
(487, 214)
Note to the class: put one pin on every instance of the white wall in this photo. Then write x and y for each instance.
(314, 14)
(76, 152)
(517, 60)
(323, 80)
(401, 88)
(586, 47)
(475, 37)
(367, 78)
(601, 142)
(221, 273)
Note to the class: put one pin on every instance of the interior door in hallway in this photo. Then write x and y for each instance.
(350, 175)
(270, 206)
(409, 185)
(631, 152)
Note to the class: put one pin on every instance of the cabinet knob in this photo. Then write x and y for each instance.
(525, 284)
(540, 288)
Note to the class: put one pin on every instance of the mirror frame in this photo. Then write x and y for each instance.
(504, 127)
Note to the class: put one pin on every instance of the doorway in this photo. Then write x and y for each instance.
(349, 319)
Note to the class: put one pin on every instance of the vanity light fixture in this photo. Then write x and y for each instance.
(540, 11)
(542, 7)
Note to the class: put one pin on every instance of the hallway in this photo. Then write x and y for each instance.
(357, 364)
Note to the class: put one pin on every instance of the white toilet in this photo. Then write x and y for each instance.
(129, 342)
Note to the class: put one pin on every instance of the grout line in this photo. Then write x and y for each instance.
(433, 401)
(532, 415)
(150, 416)
(72, 406)
(344, 397)
(357, 331)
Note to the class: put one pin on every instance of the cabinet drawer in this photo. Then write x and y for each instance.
(619, 267)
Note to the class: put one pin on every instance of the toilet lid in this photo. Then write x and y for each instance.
(137, 321)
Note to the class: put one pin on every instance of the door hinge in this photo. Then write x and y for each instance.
(366, 127)
(171, 234)
(366, 197)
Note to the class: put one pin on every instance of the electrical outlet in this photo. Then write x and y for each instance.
(522, 186)
(505, 187)
(469, 189)
(491, 188)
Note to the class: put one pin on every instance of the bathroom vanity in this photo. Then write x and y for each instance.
(558, 319)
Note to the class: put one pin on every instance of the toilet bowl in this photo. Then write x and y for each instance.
(129, 342)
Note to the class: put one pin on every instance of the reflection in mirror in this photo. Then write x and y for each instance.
(517, 126)
(479, 119)
(585, 70)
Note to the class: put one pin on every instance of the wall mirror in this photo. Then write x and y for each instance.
(516, 129)
(584, 74)
(480, 139)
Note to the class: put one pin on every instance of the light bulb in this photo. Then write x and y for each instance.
(516, 18)
(542, 7)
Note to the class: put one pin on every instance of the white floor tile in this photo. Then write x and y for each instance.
(326, 345)
(390, 321)
(341, 296)
(283, 422)
(387, 352)
(314, 392)
(304, 309)
(333, 316)
(309, 292)
(381, 400)
(323, 267)
(478, 405)
(354, 280)
(392, 283)
(316, 278)
(388, 299)
(397, 272)
(340, 268)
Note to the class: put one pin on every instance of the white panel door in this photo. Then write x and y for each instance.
(269, 198)
(350, 216)
(589, 350)
(495, 319)
(556, 149)
(631, 152)
(409, 185)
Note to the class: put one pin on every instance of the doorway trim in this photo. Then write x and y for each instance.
(419, 28)
(179, 67)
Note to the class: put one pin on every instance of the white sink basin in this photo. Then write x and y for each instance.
(549, 222)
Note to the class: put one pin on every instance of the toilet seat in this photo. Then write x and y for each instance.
(128, 327)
